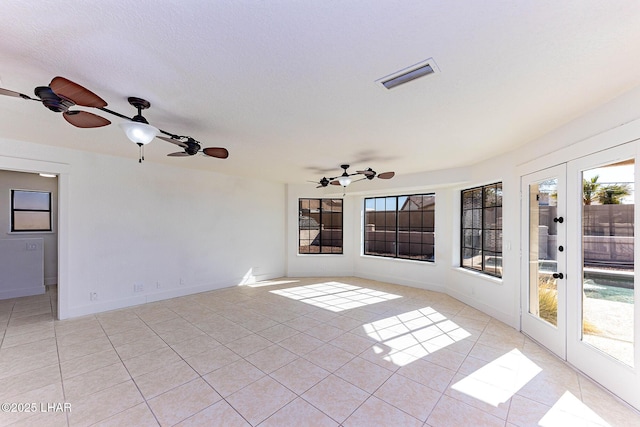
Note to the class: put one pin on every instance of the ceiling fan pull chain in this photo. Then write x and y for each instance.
(140, 153)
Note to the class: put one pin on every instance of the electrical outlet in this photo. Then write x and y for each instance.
(93, 296)
(158, 286)
(138, 287)
(32, 246)
(182, 282)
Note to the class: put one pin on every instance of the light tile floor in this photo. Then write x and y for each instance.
(289, 352)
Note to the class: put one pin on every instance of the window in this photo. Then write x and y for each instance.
(320, 226)
(481, 229)
(30, 210)
(400, 226)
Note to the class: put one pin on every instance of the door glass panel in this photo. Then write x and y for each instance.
(543, 255)
(608, 258)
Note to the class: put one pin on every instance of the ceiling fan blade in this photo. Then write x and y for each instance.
(219, 152)
(179, 154)
(84, 119)
(320, 186)
(173, 141)
(335, 183)
(76, 93)
(386, 175)
(367, 172)
(8, 92)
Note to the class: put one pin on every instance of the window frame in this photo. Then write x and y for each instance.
(14, 210)
(497, 228)
(397, 229)
(322, 212)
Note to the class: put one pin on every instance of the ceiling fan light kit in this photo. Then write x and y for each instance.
(344, 180)
(138, 130)
(139, 133)
(62, 94)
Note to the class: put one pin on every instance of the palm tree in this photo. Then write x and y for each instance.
(590, 189)
(612, 194)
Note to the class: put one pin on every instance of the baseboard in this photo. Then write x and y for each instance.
(487, 309)
(404, 282)
(22, 292)
(158, 295)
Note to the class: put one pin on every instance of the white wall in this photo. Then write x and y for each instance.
(419, 274)
(175, 231)
(613, 123)
(321, 264)
(10, 180)
(123, 223)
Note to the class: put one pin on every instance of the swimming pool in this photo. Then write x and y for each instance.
(607, 292)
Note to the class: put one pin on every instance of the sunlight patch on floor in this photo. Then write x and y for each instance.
(570, 411)
(412, 335)
(335, 296)
(498, 381)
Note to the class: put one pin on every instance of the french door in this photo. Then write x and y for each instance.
(578, 261)
(544, 258)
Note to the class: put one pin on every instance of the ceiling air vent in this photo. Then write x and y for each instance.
(408, 74)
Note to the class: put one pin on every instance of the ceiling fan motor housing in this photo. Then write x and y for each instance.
(192, 147)
(52, 101)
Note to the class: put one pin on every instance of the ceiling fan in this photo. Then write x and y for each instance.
(193, 147)
(62, 95)
(345, 179)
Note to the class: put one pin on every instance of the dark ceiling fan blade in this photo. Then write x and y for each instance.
(179, 154)
(335, 183)
(219, 152)
(386, 175)
(76, 93)
(8, 92)
(84, 119)
(173, 141)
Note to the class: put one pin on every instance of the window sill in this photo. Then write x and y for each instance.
(479, 275)
(388, 258)
(315, 255)
(20, 233)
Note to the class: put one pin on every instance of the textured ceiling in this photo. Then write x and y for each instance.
(289, 86)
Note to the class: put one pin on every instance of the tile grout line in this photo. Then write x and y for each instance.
(130, 376)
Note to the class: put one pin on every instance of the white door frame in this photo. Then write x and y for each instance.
(62, 170)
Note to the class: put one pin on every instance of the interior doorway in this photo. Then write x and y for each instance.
(30, 231)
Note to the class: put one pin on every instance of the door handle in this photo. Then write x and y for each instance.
(558, 276)
(559, 219)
